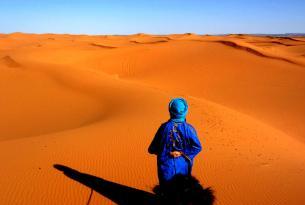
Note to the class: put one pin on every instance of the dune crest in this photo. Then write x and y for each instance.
(102, 46)
(149, 42)
(255, 52)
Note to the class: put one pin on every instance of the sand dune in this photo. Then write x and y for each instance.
(146, 39)
(255, 52)
(94, 109)
(9, 62)
(101, 46)
(149, 42)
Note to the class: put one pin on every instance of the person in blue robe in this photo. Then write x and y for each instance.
(175, 143)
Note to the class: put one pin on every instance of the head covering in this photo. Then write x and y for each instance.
(178, 109)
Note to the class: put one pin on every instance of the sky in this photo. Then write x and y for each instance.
(152, 16)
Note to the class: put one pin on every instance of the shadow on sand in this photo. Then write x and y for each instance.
(120, 194)
(180, 191)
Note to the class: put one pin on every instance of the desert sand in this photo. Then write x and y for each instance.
(94, 103)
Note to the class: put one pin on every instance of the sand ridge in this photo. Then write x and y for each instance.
(9, 62)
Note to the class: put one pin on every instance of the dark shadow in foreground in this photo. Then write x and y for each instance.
(181, 191)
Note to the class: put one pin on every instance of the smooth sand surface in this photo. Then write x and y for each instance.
(94, 103)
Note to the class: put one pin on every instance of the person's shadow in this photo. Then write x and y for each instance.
(118, 193)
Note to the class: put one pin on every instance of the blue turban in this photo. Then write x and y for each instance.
(178, 109)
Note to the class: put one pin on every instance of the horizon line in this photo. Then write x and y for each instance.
(159, 34)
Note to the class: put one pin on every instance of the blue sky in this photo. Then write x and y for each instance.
(152, 16)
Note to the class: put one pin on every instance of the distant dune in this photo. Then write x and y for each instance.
(9, 62)
(102, 46)
(93, 104)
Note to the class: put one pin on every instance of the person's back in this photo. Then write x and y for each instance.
(175, 143)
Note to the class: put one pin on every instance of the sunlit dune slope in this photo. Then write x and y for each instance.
(93, 103)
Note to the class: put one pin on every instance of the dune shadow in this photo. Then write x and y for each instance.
(118, 193)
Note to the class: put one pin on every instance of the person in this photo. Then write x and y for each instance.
(175, 143)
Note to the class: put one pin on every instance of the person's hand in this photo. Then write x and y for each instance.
(175, 154)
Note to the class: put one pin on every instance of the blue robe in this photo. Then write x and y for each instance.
(174, 136)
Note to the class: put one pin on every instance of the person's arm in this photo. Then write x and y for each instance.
(194, 146)
(154, 146)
